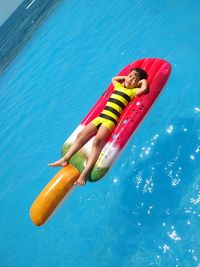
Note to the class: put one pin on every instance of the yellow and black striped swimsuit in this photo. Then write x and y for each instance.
(117, 102)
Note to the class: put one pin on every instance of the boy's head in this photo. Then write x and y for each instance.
(134, 77)
(141, 74)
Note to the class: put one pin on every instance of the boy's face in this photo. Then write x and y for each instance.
(131, 79)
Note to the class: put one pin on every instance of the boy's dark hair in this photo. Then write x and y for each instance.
(141, 73)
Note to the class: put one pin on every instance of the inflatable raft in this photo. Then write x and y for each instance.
(158, 71)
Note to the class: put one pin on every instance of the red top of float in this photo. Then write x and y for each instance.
(158, 71)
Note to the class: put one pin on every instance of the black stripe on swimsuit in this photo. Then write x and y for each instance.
(114, 111)
(125, 96)
(105, 116)
(118, 102)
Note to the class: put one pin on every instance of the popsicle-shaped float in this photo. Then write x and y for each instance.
(57, 189)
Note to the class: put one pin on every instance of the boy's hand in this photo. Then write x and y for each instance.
(118, 79)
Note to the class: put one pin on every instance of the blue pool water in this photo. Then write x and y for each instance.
(146, 211)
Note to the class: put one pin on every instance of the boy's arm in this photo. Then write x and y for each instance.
(143, 87)
(118, 79)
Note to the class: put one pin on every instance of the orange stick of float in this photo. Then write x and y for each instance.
(54, 192)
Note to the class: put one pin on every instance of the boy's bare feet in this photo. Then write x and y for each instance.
(81, 180)
(61, 162)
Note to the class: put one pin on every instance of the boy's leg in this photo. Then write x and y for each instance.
(82, 138)
(97, 146)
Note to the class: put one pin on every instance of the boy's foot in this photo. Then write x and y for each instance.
(81, 180)
(59, 163)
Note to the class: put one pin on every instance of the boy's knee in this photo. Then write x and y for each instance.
(80, 138)
(97, 142)
(79, 135)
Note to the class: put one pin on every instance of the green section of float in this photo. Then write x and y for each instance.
(97, 173)
(79, 160)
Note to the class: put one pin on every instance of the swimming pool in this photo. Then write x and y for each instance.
(145, 212)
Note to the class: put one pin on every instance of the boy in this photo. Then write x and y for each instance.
(125, 89)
